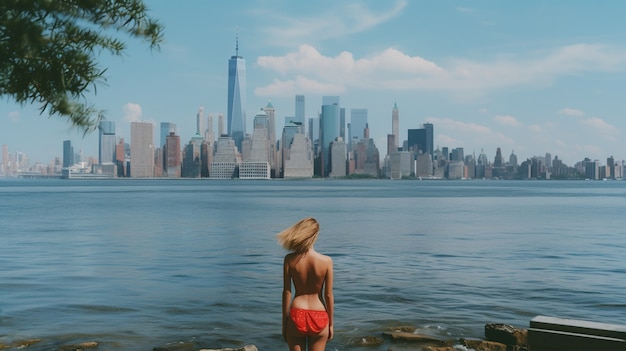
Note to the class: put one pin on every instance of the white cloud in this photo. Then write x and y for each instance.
(601, 126)
(568, 111)
(507, 121)
(132, 112)
(464, 9)
(393, 69)
(14, 116)
(444, 139)
(535, 128)
(337, 21)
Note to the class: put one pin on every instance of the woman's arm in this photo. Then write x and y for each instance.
(286, 295)
(329, 298)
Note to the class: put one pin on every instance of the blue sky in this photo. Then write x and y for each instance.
(528, 76)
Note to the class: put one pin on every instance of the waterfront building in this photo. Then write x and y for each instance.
(257, 165)
(456, 170)
(224, 164)
(237, 97)
(107, 141)
(338, 158)
(172, 159)
(299, 158)
(290, 129)
(192, 157)
(367, 157)
(254, 170)
(423, 165)
(141, 150)
(400, 164)
(592, 169)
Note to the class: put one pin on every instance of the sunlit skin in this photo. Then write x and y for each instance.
(312, 276)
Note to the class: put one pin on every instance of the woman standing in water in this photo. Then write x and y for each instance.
(308, 319)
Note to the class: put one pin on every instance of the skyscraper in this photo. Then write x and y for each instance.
(395, 123)
(329, 131)
(421, 139)
(166, 129)
(270, 112)
(299, 109)
(107, 142)
(237, 97)
(358, 122)
(200, 121)
(141, 150)
(68, 153)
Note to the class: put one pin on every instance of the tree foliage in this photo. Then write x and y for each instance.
(49, 51)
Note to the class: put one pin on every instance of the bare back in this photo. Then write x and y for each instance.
(309, 273)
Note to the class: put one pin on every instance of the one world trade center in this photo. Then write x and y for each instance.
(237, 97)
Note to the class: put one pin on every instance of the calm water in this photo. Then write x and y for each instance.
(135, 264)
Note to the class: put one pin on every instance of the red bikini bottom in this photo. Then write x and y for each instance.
(309, 322)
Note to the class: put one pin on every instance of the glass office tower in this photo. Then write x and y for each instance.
(237, 97)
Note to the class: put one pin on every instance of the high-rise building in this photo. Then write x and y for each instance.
(299, 109)
(200, 129)
(68, 153)
(220, 125)
(421, 139)
(209, 134)
(338, 158)
(329, 131)
(498, 161)
(270, 112)
(120, 158)
(395, 123)
(107, 142)
(299, 161)
(172, 156)
(224, 164)
(166, 129)
(358, 122)
(237, 97)
(141, 150)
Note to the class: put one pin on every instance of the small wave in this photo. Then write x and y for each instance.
(103, 308)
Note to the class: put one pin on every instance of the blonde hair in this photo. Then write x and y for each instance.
(301, 236)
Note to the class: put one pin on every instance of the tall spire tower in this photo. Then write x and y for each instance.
(395, 123)
(237, 96)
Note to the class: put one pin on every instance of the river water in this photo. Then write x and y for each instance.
(136, 264)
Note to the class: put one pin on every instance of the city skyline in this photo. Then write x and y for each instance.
(513, 80)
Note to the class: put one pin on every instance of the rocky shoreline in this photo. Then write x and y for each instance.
(498, 337)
